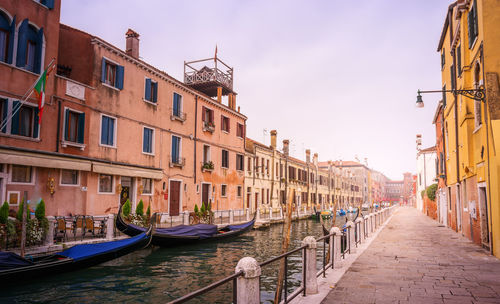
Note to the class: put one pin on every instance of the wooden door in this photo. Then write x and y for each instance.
(205, 194)
(256, 199)
(249, 197)
(175, 191)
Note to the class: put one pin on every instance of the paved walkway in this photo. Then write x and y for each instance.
(413, 260)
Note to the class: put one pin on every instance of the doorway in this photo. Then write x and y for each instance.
(256, 201)
(483, 214)
(249, 197)
(125, 194)
(175, 197)
(205, 193)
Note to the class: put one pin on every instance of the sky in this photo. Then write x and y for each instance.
(337, 77)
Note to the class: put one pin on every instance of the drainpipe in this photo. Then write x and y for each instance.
(195, 134)
(58, 133)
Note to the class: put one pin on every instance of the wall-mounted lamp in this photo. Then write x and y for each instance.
(476, 94)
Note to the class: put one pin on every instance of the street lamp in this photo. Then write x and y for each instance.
(476, 94)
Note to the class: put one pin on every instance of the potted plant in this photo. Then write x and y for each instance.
(208, 166)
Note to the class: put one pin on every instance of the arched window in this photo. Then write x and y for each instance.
(29, 47)
(7, 32)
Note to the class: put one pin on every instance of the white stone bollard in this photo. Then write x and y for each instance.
(248, 289)
(231, 216)
(350, 237)
(310, 267)
(49, 238)
(270, 213)
(359, 229)
(185, 220)
(258, 215)
(110, 225)
(336, 252)
(281, 213)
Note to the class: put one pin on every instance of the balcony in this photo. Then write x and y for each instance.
(178, 115)
(177, 162)
(207, 166)
(208, 126)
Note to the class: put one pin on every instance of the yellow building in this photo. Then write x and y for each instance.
(470, 60)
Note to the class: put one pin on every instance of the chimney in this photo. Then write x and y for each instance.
(308, 156)
(315, 159)
(286, 144)
(273, 139)
(132, 47)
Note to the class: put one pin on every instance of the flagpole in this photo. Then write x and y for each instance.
(26, 96)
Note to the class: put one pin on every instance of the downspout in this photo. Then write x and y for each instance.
(58, 133)
(195, 134)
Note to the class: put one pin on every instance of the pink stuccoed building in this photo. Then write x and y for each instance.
(116, 128)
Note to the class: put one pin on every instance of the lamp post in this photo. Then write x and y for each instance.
(476, 94)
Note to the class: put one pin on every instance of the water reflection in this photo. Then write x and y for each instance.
(161, 274)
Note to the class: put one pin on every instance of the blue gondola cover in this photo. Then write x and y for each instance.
(10, 260)
(84, 251)
(242, 226)
(200, 230)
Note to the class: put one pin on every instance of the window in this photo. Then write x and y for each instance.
(238, 191)
(268, 196)
(444, 96)
(13, 197)
(48, 3)
(239, 162)
(25, 121)
(21, 174)
(208, 118)
(225, 124)
(261, 165)
(105, 183)
(223, 190)
(443, 58)
(69, 177)
(472, 24)
(176, 150)
(240, 130)
(225, 159)
(249, 164)
(206, 154)
(267, 167)
(74, 127)
(148, 140)
(7, 33)
(459, 60)
(112, 74)
(108, 126)
(147, 186)
(452, 76)
(29, 50)
(150, 90)
(177, 105)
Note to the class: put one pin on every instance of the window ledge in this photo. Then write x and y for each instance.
(13, 65)
(106, 146)
(148, 154)
(20, 137)
(224, 131)
(150, 102)
(110, 86)
(66, 144)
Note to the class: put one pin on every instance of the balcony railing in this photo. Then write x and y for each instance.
(178, 115)
(177, 162)
(208, 126)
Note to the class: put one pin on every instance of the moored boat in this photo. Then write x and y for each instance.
(14, 268)
(185, 234)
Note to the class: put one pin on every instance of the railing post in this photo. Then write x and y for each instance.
(231, 216)
(110, 224)
(248, 289)
(359, 229)
(350, 238)
(372, 223)
(49, 238)
(366, 226)
(336, 252)
(310, 265)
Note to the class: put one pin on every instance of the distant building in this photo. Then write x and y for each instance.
(426, 173)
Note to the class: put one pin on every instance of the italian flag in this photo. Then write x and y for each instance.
(39, 90)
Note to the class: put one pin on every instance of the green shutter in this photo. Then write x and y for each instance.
(35, 124)
(103, 70)
(81, 128)
(66, 124)
(147, 93)
(14, 128)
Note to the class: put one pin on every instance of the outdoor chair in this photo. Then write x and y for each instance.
(79, 224)
(89, 225)
(62, 227)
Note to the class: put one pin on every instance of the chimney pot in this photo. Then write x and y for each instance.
(308, 156)
(286, 144)
(273, 138)
(132, 43)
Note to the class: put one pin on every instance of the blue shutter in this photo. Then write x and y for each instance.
(119, 77)
(22, 40)
(66, 124)
(176, 104)
(111, 131)
(38, 51)
(12, 34)
(175, 149)
(145, 140)
(155, 91)
(14, 128)
(35, 124)
(4, 113)
(104, 130)
(49, 3)
(147, 93)
(103, 70)
(81, 128)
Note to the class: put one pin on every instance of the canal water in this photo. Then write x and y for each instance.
(155, 275)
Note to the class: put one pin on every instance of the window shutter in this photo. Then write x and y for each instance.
(21, 44)
(211, 116)
(155, 91)
(147, 94)
(222, 122)
(144, 140)
(35, 124)
(66, 124)
(81, 127)
(103, 70)
(14, 129)
(111, 131)
(475, 24)
(38, 51)
(49, 4)
(119, 76)
(12, 33)
(175, 148)
(4, 114)
(104, 130)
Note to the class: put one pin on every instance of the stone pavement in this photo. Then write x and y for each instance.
(414, 260)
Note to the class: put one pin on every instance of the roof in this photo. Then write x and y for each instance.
(427, 150)
(250, 143)
(438, 109)
(445, 26)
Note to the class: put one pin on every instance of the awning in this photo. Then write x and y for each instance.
(42, 160)
(126, 171)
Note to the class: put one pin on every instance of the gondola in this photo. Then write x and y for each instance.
(14, 268)
(185, 234)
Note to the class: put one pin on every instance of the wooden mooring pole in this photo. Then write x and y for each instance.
(23, 229)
